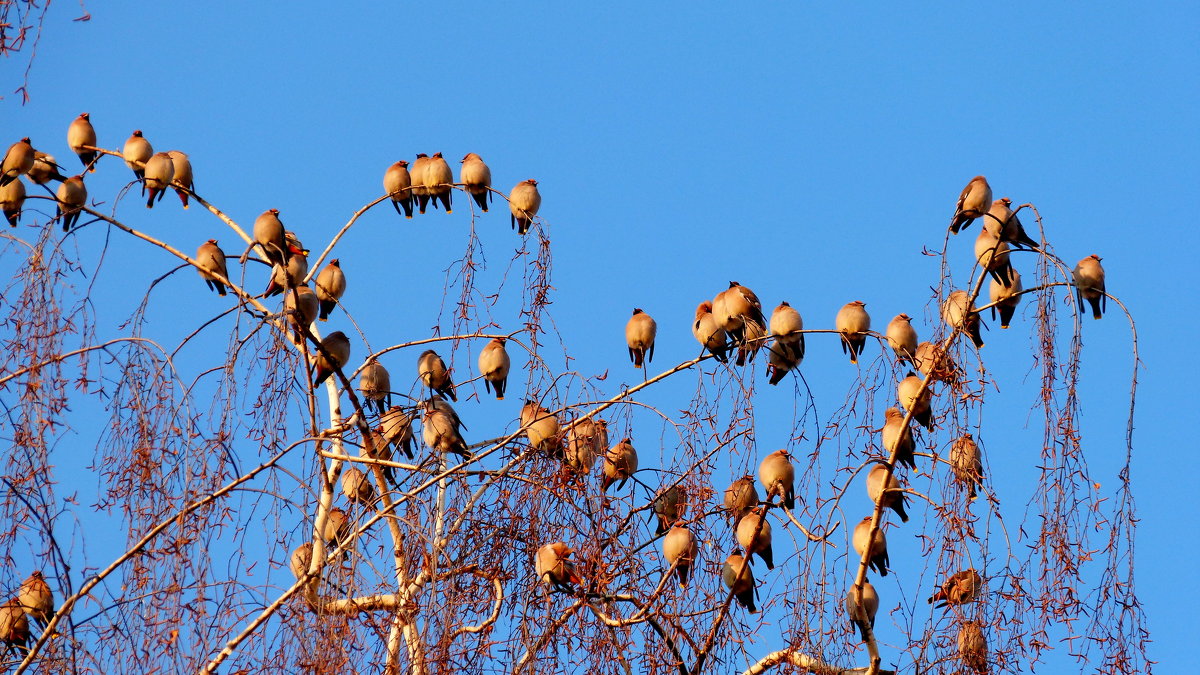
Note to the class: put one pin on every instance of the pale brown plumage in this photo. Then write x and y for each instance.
(157, 176)
(877, 558)
(357, 486)
(211, 261)
(12, 200)
(669, 506)
(932, 359)
(376, 446)
(438, 179)
(958, 312)
(740, 497)
(397, 183)
(396, 426)
(853, 322)
(337, 527)
(376, 386)
(754, 535)
(752, 341)
(778, 477)
(329, 287)
(71, 197)
(432, 371)
(37, 599)
(81, 136)
(440, 428)
(44, 169)
(780, 362)
(967, 463)
(184, 184)
(1003, 222)
(733, 307)
(972, 647)
(586, 440)
(620, 462)
(902, 338)
(136, 152)
(300, 305)
(289, 276)
(14, 627)
(993, 256)
(973, 202)
(476, 177)
(18, 160)
(739, 579)
(553, 567)
(639, 336)
(862, 614)
(523, 202)
(1005, 299)
(710, 336)
(680, 550)
(542, 429)
(494, 363)
(786, 325)
(332, 355)
(417, 176)
(959, 588)
(892, 498)
(898, 438)
(918, 405)
(1088, 276)
(268, 233)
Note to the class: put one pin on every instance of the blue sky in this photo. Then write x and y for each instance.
(810, 152)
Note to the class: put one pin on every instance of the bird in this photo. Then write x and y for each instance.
(754, 535)
(680, 550)
(786, 325)
(184, 183)
(136, 152)
(440, 428)
(210, 261)
(778, 477)
(81, 138)
(669, 506)
(493, 366)
(542, 429)
(357, 487)
(18, 160)
(37, 599)
(397, 183)
(740, 497)
(620, 462)
(1004, 224)
(300, 305)
(639, 335)
(974, 201)
(934, 361)
(269, 234)
(330, 286)
(337, 527)
(739, 578)
(734, 307)
(376, 446)
(157, 175)
(1089, 284)
(862, 613)
(892, 498)
(992, 254)
(301, 561)
(780, 362)
(523, 202)
(14, 627)
(333, 355)
(877, 557)
(1005, 298)
(477, 178)
(375, 385)
(967, 463)
(416, 174)
(44, 169)
(396, 426)
(853, 322)
(12, 200)
(554, 567)
(710, 335)
(431, 369)
(438, 180)
(972, 647)
(958, 312)
(918, 405)
(289, 276)
(586, 438)
(897, 438)
(71, 198)
(958, 589)
(753, 334)
(902, 338)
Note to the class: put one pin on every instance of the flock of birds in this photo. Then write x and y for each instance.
(733, 322)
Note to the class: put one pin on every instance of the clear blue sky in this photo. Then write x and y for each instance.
(807, 151)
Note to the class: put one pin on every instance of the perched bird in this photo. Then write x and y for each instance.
(958, 589)
(330, 286)
(376, 446)
(752, 341)
(733, 307)
(210, 261)
(554, 568)
(739, 578)
(438, 179)
(779, 362)
(14, 628)
(12, 200)
(710, 335)
(967, 463)
(477, 178)
(184, 184)
(80, 137)
(44, 169)
(754, 535)
(902, 338)
(376, 386)
(932, 359)
(778, 477)
(786, 325)
(72, 196)
(586, 439)
(974, 201)
(493, 366)
(300, 305)
(1003, 222)
(958, 312)
(268, 233)
(157, 175)
(918, 405)
(620, 462)
(17, 161)
(357, 486)
(37, 599)
(136, 153)
(972, 647)
(669, 506)
(992, 255)
(396, 426)
(1089, 284)
(523, 202)
(853, 322)
(333, 355)
(862, 613)
(440, 430)
(680, 550)
(291, 276)
(892, 498)
(542, 429)
(433, 373)
(417, 176)
(740, 497)
(301, 561)
(397, 183)
(897, 438)
(440, 404)
(639, 335)
(1005, 298)
(337, 527)
(878, 555)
